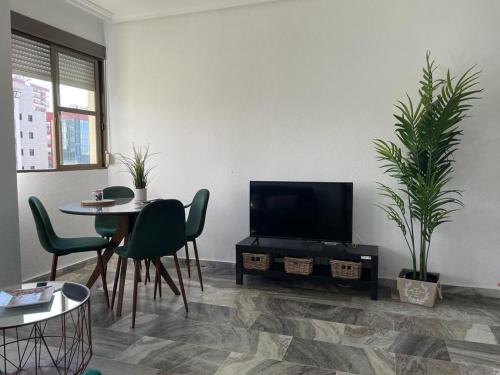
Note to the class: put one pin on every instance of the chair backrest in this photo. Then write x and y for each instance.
(160, 230)
(114, 192)
(44, 228)
(197, 212)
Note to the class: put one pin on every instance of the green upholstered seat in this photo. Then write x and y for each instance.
(160, 230)
(80, 244)
(197, 212)
(92, 372)
(59, 246)
(105, 226)
(54, 244)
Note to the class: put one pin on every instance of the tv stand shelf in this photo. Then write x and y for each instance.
(322, 253)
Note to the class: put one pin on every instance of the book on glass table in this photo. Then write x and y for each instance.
(26, 297)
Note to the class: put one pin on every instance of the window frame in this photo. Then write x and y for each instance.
(89, 51)
(97, 112)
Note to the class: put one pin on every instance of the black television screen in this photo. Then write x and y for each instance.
(301, 210)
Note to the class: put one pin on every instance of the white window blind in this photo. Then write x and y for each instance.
(30, 57)
(76, 72)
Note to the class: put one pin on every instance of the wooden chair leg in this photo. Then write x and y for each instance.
(123, 274)
(53, 269)
(137, 271)
(147, 277)
(198, 264)
(140, 271)
(187, 260)
(157, 276)
(115, 283)
(158, 269)
(103, 276)
(179, 275)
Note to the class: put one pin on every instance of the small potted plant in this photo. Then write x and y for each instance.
(139, 170)
(421, 164)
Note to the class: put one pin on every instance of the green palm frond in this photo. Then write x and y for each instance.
(422, 165)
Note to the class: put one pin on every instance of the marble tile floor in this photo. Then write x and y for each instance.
(268, 326)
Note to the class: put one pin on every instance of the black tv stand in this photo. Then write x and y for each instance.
(321, 253)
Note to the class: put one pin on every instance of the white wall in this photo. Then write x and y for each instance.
(10, 270)
(63, 15)
(56, 188)
(297, 90)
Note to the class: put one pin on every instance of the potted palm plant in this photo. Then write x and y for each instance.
(421, 164)
(139, 170)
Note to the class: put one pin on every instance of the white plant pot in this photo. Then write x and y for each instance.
(141, 195)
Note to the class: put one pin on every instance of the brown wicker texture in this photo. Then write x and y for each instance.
(346, 270)
(253, 261)
(299, 266)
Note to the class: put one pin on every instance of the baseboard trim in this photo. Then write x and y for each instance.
(62, 270)
(384, 282)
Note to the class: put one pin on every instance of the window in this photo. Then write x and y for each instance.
(22, 152)
(59, 90)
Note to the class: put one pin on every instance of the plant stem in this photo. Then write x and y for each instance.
(422, 251)
(412, 234)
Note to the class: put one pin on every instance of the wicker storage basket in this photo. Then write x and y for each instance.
(299, 266)
(253, 261)
(345, 270)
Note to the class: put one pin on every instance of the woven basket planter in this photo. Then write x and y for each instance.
(299, 266)
(346, 270)
(253, 261)
(417, 292)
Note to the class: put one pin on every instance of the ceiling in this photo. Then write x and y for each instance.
(133, 10)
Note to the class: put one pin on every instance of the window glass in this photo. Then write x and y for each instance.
(73, 135)
(78, 138)
(76, 82)
(34, 99)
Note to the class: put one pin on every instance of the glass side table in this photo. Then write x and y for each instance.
(53, 338)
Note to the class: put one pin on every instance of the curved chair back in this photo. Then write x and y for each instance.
(114, 192)
(111, 192)
(197, 212)
(160, 230)
(44, 228)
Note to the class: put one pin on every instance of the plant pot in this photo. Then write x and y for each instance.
(417, 292)
(141, 195)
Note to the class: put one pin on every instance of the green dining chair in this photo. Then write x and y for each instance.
(106, 226)
(194, 226)
(59, 246)
(160, 230)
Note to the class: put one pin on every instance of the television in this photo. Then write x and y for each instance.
(320, 211)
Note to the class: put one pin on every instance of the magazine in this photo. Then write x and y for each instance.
(26, 297)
